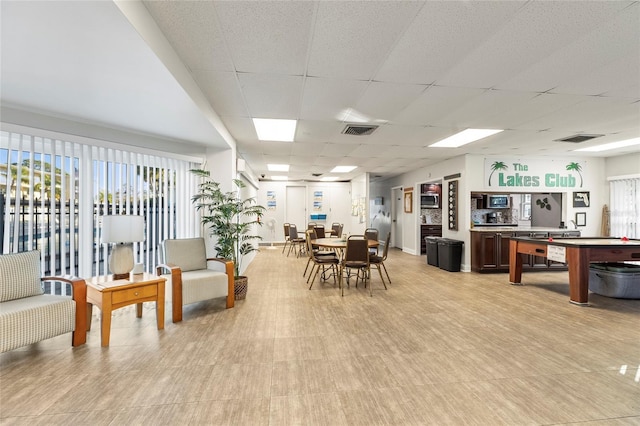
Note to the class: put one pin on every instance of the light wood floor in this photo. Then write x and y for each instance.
(436, 348)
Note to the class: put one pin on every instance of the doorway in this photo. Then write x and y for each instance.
(296, 211)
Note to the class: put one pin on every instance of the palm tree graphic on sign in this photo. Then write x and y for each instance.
(497, 165)
(577, 168)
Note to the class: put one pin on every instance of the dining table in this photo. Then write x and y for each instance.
(339, 243)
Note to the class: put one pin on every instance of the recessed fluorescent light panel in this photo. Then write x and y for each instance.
(269, 129)
(464, 137)
(279, 178)
(612, 145)
(329, 178)
(343, 169)
(278, 167)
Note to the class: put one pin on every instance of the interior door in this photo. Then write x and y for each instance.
(396, 217)
(296, 211)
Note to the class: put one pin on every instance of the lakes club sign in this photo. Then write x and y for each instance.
(542, 174)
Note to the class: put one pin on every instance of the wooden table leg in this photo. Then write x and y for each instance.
(139, 310)
(89, 315)
(160, 306)
(578, 263)
(105, 323)
(515, 263)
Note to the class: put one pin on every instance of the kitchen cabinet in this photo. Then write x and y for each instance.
(490, 251)
(428, 231)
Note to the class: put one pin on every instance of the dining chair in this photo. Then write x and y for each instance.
(319, 262)
(319, 231)
(378, 261)
(372, 234)
(317, 251)
(311, 225)
(356, 256)
(286, 236)
(336, 229)
(294, 240)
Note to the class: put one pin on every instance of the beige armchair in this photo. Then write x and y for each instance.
(27, 315)
(192, 275)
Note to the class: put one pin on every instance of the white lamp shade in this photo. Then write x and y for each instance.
(122, 229)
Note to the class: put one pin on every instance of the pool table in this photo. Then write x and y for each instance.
(577, 253)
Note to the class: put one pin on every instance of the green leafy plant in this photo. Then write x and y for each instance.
(229, 218)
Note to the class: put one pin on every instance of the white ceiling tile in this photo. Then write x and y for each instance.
(352, 39)
(223, 92)
(442, 33)
(192, 29)
(267, 37)
(535, 32)
(381, 101)
(271, 96)
(330, 99)
(434, 103)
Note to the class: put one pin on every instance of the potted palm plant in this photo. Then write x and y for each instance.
(231, 220)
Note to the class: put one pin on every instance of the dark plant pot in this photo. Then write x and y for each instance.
(240, 287)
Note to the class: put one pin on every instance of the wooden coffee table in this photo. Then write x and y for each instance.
(109, 294)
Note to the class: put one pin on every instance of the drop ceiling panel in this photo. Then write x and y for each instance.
(434, 103)
(352, 39)
(223, 91)
(317, 131)
(382, 100)
(267, 37)
(395, 134)
(537, 31)
(442, 33)
(270, 95)
(330, 99)
(337, 150)
(192, 29)
(307, 148)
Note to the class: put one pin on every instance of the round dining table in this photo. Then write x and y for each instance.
(339, 243)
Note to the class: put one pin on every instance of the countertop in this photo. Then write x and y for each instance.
(504, 228)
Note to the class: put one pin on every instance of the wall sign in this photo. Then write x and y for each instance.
(507, 174)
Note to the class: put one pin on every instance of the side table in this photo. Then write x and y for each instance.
(109, 294)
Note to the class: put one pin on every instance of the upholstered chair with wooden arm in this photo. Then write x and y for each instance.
(27, 315)
(193, 276)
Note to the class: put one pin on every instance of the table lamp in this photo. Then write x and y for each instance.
(123, 230)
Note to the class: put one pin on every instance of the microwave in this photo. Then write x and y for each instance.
(430, 200)
(498, 201)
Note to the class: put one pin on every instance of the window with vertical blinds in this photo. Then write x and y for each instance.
(625, 206)
(53, 194)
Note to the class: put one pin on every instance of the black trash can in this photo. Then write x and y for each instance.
(449, 254)
(432, 250)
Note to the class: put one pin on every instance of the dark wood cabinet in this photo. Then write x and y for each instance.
(490, 251)
(428, 231)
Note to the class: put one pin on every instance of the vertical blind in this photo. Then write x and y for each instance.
(53, 194)
(625, 206)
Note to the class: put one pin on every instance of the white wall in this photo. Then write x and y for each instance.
(336, 204)
(622, 165)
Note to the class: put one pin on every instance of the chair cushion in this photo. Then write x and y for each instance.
(20, 275)
(201, 285)
(32, 319)
(189, 253)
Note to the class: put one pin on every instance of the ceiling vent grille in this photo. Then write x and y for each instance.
(359, 129)
(578, 138)
(316, 174)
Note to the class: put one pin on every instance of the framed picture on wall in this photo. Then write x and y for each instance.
(581, 199)
(408, 201)
(581, 219)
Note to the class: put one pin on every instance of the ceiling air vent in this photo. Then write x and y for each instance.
(578, 138)
(359, 129)
(316, 174)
